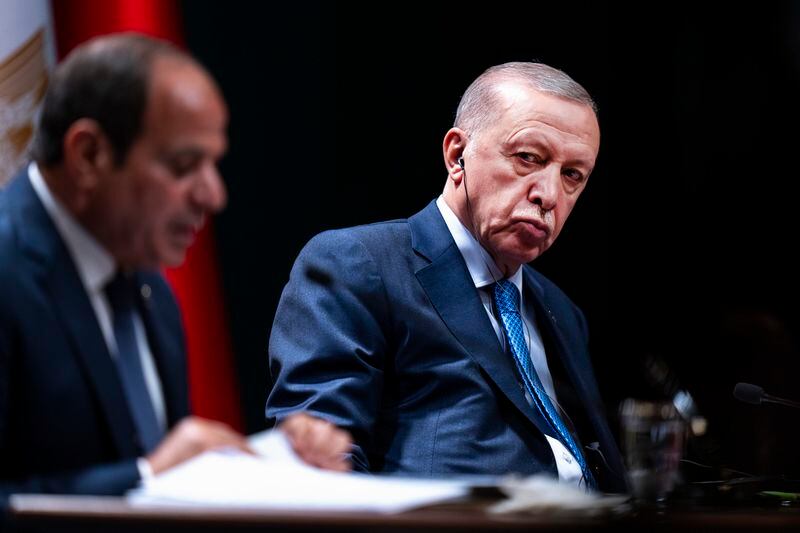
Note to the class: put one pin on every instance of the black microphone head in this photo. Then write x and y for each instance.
(748, 393)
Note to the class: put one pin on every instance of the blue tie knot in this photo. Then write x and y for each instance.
(506, 296)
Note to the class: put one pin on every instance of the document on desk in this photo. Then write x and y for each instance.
(276, 478)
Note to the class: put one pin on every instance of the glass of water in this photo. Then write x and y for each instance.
(653, 439)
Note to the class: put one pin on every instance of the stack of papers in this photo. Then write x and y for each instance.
(276, 479)
(546, 496)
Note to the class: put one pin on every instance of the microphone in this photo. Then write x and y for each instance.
(749, 393)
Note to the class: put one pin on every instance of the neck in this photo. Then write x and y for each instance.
(460, 206)
(78, 202)
(60, 186)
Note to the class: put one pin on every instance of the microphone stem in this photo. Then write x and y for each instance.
(780, 401)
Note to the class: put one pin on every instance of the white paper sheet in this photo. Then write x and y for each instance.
(277, 479)
(544, 495)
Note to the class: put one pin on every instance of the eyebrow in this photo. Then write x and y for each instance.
(188, 152)
(538, 142)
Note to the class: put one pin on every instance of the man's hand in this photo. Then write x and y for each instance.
(193, 436)
(318, 442)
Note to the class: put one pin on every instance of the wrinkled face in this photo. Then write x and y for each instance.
(525, 171)
(157, 200)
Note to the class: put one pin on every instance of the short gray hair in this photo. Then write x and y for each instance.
(479, 103)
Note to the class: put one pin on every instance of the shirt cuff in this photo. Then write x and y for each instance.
(145, 470)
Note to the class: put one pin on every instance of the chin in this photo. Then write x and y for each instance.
(173, 261)
(532, 252)
(526, 254)
(168, 258)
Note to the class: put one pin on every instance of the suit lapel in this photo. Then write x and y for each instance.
(450, 289)
(545, 319)
(51, 259)
(548, 324)
(578, 372)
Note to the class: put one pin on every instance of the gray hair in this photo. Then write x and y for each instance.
(479, 103)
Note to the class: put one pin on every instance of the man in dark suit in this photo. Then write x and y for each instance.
(93, 391)
(430, 339)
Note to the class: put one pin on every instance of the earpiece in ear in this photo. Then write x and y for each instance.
(461, 162)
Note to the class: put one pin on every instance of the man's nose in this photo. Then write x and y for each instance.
(545, 186)
(210, 192)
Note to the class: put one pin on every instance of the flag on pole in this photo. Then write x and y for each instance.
(212, 382)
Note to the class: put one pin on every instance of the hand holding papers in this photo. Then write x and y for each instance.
(318, 442)
(276, 478)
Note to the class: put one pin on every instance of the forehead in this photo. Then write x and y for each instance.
(182, 102)
(524, 111)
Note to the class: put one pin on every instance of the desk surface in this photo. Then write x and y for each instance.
(83, 513)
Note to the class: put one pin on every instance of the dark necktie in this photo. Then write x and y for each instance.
(506, 300)
(121, 296)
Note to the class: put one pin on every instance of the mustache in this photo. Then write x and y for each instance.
(545, 216)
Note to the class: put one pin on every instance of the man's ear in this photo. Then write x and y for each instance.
(88, 155)
(455, 140)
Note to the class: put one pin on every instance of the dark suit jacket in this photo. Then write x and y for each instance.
(65, 426)
(381, 331)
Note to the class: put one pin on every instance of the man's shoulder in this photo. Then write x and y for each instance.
(373, 237)
(547, 289)
(16, 197)
(26, 235)
(10, 248)
(6, 220)
(369, 231)
(357, 253)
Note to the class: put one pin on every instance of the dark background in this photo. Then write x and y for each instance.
(681, 250)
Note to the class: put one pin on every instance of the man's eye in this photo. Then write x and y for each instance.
(183, 167)
(530, 158)
(573, 175)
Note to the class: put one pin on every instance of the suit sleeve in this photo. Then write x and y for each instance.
(112, 479)
(328, 341)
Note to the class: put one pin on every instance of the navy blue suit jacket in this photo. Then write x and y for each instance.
(381, 331)
(65, 426)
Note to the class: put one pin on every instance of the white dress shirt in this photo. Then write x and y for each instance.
(485, 273)
(95, 268)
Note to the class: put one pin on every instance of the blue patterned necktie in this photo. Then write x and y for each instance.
(506, 300)
(121, 296)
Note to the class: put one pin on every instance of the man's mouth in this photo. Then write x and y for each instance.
(186, 232)
(534, 228)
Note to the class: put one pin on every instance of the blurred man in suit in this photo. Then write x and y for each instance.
(93, 390)
(430, 339)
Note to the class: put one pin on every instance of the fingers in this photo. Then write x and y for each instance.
(193, 436)
(318, 442)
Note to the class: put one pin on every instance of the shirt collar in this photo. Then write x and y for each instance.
(95, 265)
(481, 266)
